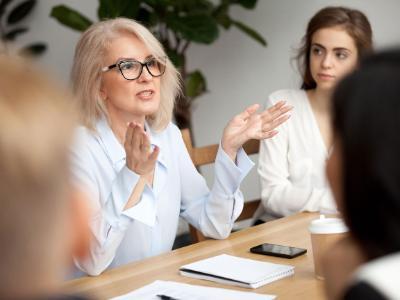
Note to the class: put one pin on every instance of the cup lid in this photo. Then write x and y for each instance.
(327, 225)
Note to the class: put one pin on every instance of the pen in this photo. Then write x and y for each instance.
(165, 297)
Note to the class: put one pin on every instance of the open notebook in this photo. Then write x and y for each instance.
(235, 270)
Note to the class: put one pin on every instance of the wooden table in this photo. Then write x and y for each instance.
(291, 231)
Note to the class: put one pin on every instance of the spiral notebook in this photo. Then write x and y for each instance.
(235, 270)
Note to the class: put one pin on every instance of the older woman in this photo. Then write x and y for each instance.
(132, 160)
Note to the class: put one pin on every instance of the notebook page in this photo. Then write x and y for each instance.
(184, 291)
(240, 269)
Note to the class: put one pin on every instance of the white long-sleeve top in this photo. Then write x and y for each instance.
(149, 228)
(292, 164)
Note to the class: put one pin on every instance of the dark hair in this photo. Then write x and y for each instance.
(353, 21)
(366, 119)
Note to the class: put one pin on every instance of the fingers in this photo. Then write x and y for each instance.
(141, 142)
(280, 120)
(267, 126)
(268, 134)
(153, 156)
(137, 138)
(145, 146)
(128, 135)
(249, 111)
(260, 129)
(249, 124)
(277, 106)
(139, 157)
(276, 111)
(273, 110)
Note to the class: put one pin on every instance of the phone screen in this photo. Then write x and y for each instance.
(278, 250)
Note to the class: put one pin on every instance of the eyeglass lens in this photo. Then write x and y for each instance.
(132, 69)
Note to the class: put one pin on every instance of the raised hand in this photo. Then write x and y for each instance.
(252, 125)
(139, 157)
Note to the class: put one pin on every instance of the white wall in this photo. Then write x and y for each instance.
(239, 71)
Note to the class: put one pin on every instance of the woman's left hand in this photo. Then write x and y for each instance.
(252, 125)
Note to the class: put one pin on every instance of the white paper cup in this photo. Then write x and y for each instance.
(324, 233)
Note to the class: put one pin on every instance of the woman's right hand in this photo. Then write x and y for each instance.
(139, 157)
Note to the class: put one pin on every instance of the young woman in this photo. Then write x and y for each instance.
(291, 165)
(364, 173)
(132, 160)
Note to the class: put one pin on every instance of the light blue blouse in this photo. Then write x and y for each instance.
(149, 228)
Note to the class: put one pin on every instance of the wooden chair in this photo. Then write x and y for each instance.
(206, 155)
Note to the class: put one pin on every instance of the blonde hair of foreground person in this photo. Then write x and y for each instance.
(38, 207)
(89, 62)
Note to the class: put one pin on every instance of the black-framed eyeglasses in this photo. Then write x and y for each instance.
(132, 69)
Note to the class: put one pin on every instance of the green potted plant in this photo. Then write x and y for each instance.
(11, 14)
(177, 24)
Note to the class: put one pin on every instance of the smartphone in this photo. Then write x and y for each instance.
(278, 250)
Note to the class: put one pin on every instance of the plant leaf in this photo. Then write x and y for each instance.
(249, 4)
(109, 9)
(33, 49)
(152, 3)
(3, 6)
(221, 16)
(147, 18)
(20, 11)
(158, 9)
(70, 17)
(195, 84)
(199, 28)
(224, 21)
(12, 34)
(106, 10)
(130, 8)
(191, 6)
(250, 32)
(176, 58)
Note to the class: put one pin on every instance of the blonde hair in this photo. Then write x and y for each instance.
(89, 60)
(36, 127)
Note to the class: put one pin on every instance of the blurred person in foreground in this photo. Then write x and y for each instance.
(42, 219)
(364, 173)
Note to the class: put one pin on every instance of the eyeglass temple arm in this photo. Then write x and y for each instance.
(105, 69)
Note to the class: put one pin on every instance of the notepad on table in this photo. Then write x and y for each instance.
(182, 291)
(235, 270)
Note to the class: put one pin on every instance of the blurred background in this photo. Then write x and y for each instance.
(239, 71)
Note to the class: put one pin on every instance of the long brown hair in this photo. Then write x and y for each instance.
(353, 21)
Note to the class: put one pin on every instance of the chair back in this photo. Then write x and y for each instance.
(206, 155)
